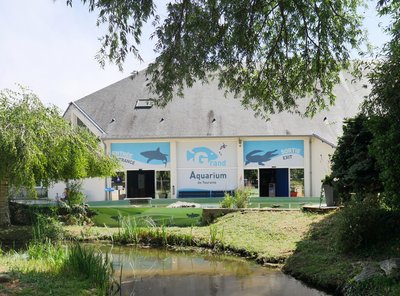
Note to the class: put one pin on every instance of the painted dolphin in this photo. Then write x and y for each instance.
(204, 153)
(155, 154)
(259, 158)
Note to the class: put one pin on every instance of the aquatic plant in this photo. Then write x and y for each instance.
(47, 228)
(88, 264)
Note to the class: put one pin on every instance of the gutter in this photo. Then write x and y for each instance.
(88, 117)
(324, 141)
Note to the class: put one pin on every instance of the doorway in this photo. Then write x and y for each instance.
(140, 184)
(274, 182)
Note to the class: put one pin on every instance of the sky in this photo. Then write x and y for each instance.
(50, 48)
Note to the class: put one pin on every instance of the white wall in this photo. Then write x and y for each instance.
(321, 165)
(92, 188)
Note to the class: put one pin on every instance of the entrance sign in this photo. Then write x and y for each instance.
(206, 166)
(277, 153)
(142, 155)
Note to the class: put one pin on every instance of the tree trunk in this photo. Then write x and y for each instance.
(4, 210)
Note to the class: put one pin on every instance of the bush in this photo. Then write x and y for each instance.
(75, 195)
(228, 201)
(363, 224)
(47, 228)
(76, 214)
(239, 200)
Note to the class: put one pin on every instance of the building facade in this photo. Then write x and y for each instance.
(207, 143)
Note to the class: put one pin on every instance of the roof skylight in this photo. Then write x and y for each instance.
(144, 104)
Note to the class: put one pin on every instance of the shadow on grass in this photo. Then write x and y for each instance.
(318, 262)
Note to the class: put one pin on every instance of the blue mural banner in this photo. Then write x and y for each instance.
(142, 155)
(278, 153)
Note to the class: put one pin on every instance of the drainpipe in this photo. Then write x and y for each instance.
(310, 149)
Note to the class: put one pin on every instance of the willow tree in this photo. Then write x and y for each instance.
(38, 145)
(271, 53)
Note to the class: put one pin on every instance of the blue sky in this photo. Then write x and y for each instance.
(51, 49)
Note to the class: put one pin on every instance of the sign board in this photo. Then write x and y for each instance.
(273, 153)
(142, 155)
(205, 166)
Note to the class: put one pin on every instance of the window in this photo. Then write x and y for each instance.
(144, 104)
(251, 181)
(163, 184)
(296, 182)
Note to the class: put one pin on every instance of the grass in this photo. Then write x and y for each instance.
(145, 216)
(265, 236)
(54, 269)
(317, 260)
(303, 243)
(44, 284)
(255, 202)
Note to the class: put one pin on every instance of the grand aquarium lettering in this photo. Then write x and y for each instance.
(207, 179)
(207, 176)
(206, 165)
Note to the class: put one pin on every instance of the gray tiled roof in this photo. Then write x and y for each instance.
(192, 115)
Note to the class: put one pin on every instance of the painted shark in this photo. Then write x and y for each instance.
(155, 154)
(259, 158)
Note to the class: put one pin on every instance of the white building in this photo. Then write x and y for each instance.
(207, 143)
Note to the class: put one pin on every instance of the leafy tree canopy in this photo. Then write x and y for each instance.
(353, 168)
(271, 53)
(37, 144)
(383, 108)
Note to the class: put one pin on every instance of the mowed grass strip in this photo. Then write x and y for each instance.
(145, 216)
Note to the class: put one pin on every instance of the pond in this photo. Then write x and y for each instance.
(148, 272)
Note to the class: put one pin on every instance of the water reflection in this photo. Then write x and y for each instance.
(158, 272)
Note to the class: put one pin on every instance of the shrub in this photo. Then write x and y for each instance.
(47, 228)
(242, 197)
(239, 200)
(363, 224)
(75, 195)
(228, 201)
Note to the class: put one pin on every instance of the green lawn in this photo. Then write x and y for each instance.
(110, 211)
(110, 216)
(255, 202)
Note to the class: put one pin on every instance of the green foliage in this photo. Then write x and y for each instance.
(271, 52)
(47, 228)
(228, 201)
(86, 263)
(75, 195)
(353, 168)
(53, 253)
(240, 199)
(376, 286)
(37, 144)
(364, 224)
(383, 107)
(385, 148)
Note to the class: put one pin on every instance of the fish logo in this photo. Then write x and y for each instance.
(155, 154)
(254, 156)
(203, 153)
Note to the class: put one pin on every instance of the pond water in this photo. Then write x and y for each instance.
(158, 272)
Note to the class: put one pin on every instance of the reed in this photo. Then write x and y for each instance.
(88, 264)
